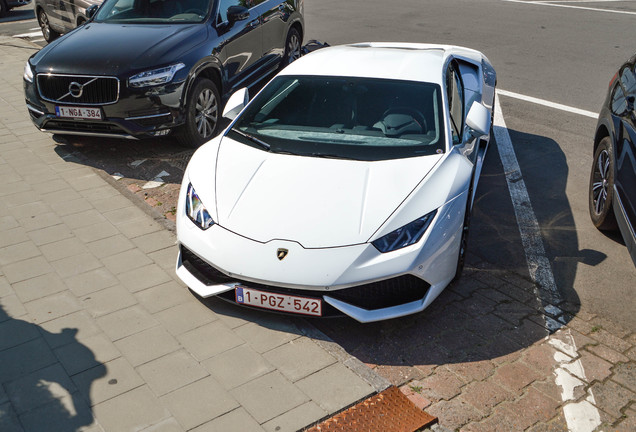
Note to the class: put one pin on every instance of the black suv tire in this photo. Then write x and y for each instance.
(202, 112)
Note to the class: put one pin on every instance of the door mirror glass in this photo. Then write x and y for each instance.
(478, 120)
(236, 103)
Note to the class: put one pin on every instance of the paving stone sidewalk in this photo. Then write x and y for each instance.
(97, 334)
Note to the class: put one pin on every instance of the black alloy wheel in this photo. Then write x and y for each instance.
(601, 192)
(48, 33)
(202, 114)
(293, 46)
(463, 243)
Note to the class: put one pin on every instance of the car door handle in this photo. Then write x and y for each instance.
(255, 23)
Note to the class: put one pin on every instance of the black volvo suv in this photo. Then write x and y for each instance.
(141, 68)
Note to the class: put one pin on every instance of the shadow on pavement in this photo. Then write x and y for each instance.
(38, 393)
(494, 310)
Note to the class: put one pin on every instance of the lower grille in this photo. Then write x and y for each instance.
(84, 127)
(375, 295)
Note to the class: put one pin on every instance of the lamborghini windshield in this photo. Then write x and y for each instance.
(153, 11)
(344, 117)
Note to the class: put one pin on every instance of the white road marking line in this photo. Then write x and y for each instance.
(549, 104)
(582, 416)
(157, 181)
(136, 163)
(543, 3)
(538, 263)
(27, 35)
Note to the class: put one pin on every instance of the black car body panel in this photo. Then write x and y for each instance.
(617, 121)
(232, 55)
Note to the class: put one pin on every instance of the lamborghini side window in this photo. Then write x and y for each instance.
(455, 92)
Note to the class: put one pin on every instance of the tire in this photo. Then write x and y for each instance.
(463, 242)
(4, 9)
(48, 33)
(202, 114)
(293, 46)
(601, 192)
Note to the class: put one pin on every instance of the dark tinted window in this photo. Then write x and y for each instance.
(348, 117)
(455, 93)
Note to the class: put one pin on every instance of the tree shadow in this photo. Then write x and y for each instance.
(36, 392)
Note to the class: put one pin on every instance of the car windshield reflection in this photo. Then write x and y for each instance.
(153, 11)
(351, 118)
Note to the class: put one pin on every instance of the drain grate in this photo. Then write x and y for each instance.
(389, 411)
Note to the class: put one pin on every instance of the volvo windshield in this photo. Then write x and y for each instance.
(153, 11)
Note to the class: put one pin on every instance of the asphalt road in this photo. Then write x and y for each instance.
(560, 52)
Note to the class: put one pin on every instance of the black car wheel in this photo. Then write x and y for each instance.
(292, 47)
(463, 243)
(48, 33)
(202, 114)
(3, 8)
(602, 187)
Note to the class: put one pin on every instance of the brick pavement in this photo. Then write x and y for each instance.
(96, 332)
(481, 358)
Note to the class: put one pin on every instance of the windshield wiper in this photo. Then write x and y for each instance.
(255, 140)
(330, 156)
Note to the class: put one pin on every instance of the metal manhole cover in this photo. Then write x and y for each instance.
(388, 411)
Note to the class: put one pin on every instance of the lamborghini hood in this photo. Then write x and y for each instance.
(316, 202)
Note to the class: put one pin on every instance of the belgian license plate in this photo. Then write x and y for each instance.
(78, 112)
(279, 302)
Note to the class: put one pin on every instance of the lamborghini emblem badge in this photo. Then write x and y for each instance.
(281, 253)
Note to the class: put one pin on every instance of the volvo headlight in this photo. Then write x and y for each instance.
(154, 77)
(196, 211)
(405, 236)
(28, 72)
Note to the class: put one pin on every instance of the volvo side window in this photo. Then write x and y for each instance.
(455, 93)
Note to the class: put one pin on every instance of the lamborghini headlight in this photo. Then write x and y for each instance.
(404, 236)
(196, 211)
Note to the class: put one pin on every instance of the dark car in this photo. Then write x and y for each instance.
(612, 196)
(142, 68)
(61, 16)
(7, 5)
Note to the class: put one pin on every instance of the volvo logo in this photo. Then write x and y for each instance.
(281, 253)
(75, 89)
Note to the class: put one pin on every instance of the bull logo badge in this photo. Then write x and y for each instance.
(281, 253)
